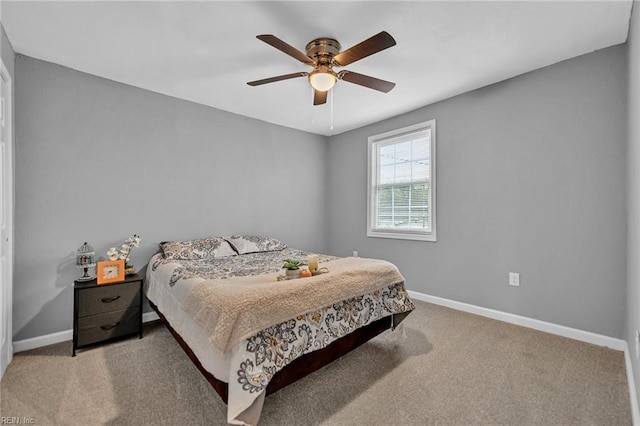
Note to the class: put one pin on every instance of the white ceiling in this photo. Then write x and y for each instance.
(206, 51)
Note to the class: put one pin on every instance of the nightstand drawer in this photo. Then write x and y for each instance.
(108, 298)
(96, 328)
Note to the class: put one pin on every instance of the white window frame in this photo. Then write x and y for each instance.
(381, 139)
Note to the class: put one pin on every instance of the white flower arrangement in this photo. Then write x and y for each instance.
(125, 249)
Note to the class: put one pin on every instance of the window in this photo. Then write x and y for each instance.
(402, 183)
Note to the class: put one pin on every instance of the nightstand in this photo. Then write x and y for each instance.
(106, 312)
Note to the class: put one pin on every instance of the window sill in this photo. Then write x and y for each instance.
(403, 236)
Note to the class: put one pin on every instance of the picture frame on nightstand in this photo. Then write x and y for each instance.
(110, 271)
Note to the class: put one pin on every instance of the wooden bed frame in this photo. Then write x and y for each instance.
(302, 366)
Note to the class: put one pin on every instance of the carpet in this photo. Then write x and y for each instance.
(450, 367)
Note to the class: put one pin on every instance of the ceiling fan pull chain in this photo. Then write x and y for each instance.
(332, 90)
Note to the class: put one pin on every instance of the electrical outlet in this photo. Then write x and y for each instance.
(514, 279)
(355, 253)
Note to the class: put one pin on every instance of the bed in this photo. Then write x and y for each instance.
(252, 332)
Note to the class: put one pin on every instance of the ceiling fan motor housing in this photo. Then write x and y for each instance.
(322, 50)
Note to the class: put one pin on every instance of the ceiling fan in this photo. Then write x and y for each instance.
(323, 54)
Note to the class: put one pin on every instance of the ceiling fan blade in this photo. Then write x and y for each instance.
(375, 44)
(319, 97)
(277, 78)
(286, 48)
(366, 81)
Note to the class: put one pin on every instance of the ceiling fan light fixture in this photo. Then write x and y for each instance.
(322, 79)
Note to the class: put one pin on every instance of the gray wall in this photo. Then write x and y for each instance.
(531, 179)
(98, 161)
(633, 192)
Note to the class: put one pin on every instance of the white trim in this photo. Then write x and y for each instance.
(8, 194)
(40, 341)
(631, 381)
(61, 336)
(392, 137)
(150, 316)
(560, 330)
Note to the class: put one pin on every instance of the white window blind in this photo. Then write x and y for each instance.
(402, 183)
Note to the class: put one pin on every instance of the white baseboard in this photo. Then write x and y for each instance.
(61, 336)
(560, 330)
(40, 341)
(150, 316)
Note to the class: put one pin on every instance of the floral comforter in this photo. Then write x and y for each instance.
(255, 360)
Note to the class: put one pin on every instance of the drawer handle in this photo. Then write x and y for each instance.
(110, 299)
(109, 327)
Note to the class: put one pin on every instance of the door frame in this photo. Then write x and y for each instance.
(6, 285)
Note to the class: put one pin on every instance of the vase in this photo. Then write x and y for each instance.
(293, 273)
(129, 270)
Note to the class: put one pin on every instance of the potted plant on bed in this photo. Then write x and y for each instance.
(292, 268)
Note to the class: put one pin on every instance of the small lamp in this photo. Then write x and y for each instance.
(85, 258)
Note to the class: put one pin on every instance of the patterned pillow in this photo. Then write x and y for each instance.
(203, 248)
(254, 243)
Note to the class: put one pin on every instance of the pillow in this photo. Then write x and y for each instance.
(200, 249)
(253, 243)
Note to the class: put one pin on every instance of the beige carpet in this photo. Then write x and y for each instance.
(452, 368)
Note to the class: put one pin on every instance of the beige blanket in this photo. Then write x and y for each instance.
(234, 309)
